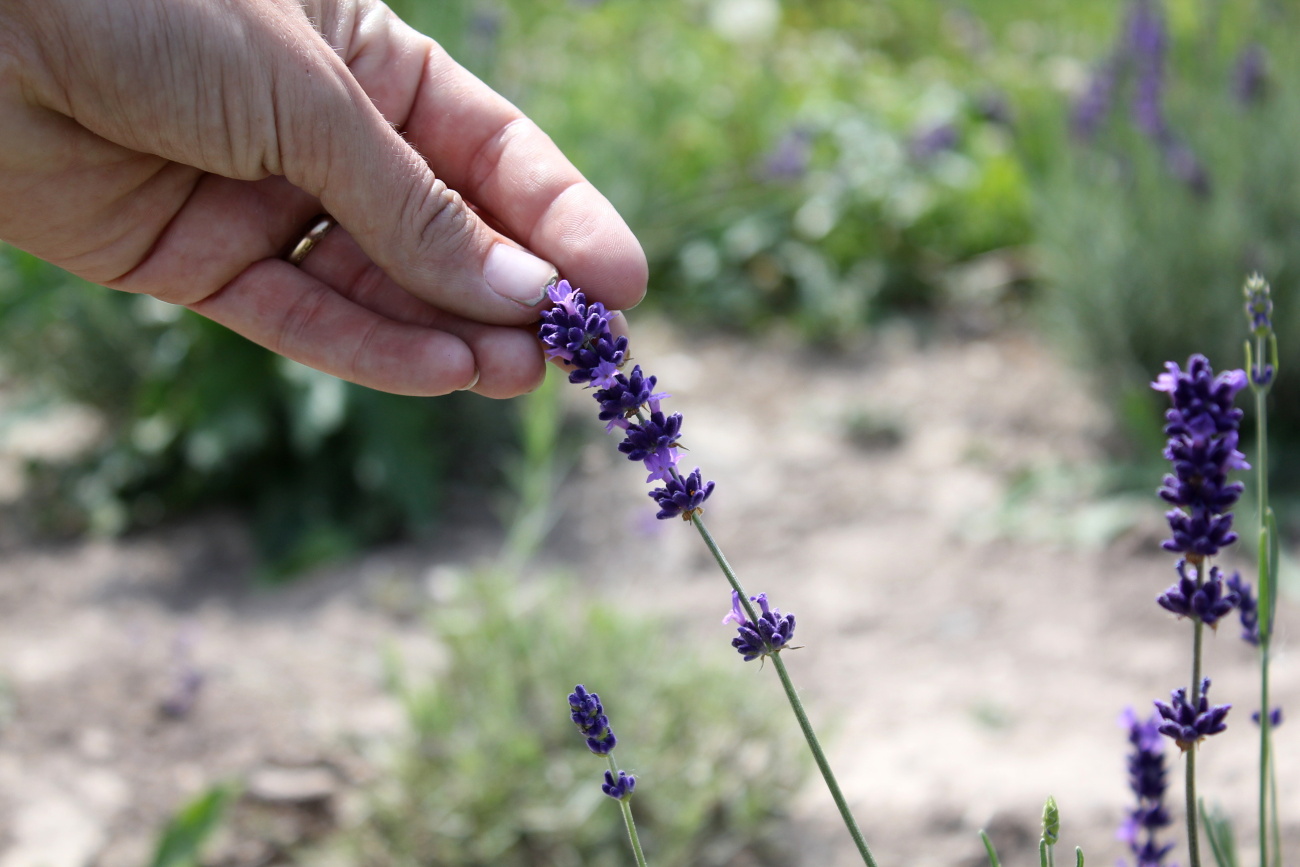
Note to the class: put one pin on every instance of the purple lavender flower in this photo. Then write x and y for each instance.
(625, 396)
(771, 634)
(788, 160)
(1147, 40)
(619, 789)
(927, 143)
(1207, 603)
(589, 715)
(654, 443)
(1094, 104)
(1247, 608)
(1202, 430)
(1187, 724)
(1250, 74)
(578, 334)
(683, 496)
(1148, 779)
(1274, 717)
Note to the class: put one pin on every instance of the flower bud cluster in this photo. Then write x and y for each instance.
(1189, 722)
(771, 634)
(577, 333)
(589, 716)
(1207, 603)
(1202, 427)
(1148, 780)
(1259, 315)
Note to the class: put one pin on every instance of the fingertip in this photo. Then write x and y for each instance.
(510, 362)
(594, 249)
(446, 364)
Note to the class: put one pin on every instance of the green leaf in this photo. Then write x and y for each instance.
(1218, 830)
(988, 847)
(183, 837)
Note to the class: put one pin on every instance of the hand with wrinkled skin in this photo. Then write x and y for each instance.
(177, 147)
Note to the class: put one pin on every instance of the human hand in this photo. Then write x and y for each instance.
(178, 147)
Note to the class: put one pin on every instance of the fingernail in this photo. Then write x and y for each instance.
(473, 382)
(517, 274)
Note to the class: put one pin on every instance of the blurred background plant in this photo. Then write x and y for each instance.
(822, 167)
(193, 415)
(1172, 178)
(491, 771)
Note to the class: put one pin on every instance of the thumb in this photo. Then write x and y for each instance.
(336, 145)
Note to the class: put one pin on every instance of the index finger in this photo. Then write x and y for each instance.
(484, 147)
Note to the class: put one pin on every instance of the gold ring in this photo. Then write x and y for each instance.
(317, 230)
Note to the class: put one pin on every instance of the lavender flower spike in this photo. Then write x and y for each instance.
(589, 715)
(619, 789)
(1202, 428)
(1147, 778)
(770, 635)
(577, 333)
(1187, 725)
(654, 443)
(1207, 603)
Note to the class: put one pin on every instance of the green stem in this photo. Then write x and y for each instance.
(1193, 825)
(1266, 596)
(1277, 827)
(820, 757)
(627, 818)
(814, 745)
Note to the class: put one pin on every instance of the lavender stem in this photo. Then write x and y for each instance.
(814, 745)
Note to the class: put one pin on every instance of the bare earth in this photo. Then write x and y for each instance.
(970, 650)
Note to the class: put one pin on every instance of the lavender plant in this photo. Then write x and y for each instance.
(1202, 427)
(1148, 779)
(1257, 613)
(577, 334)
(589, 716)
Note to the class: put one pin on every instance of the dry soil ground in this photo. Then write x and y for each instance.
(972, 649)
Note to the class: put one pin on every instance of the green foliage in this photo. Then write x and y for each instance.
(495, 773)
(181, 842)
(1218, 830)
(764, 161)
(1141, 269)
(195, 414)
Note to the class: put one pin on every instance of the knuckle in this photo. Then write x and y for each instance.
(444, 224)
(296, 324)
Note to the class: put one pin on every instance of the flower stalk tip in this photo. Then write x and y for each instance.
(577, 334)
(589, 716)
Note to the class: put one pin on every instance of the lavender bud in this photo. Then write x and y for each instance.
(589, 716)
(619, 789)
